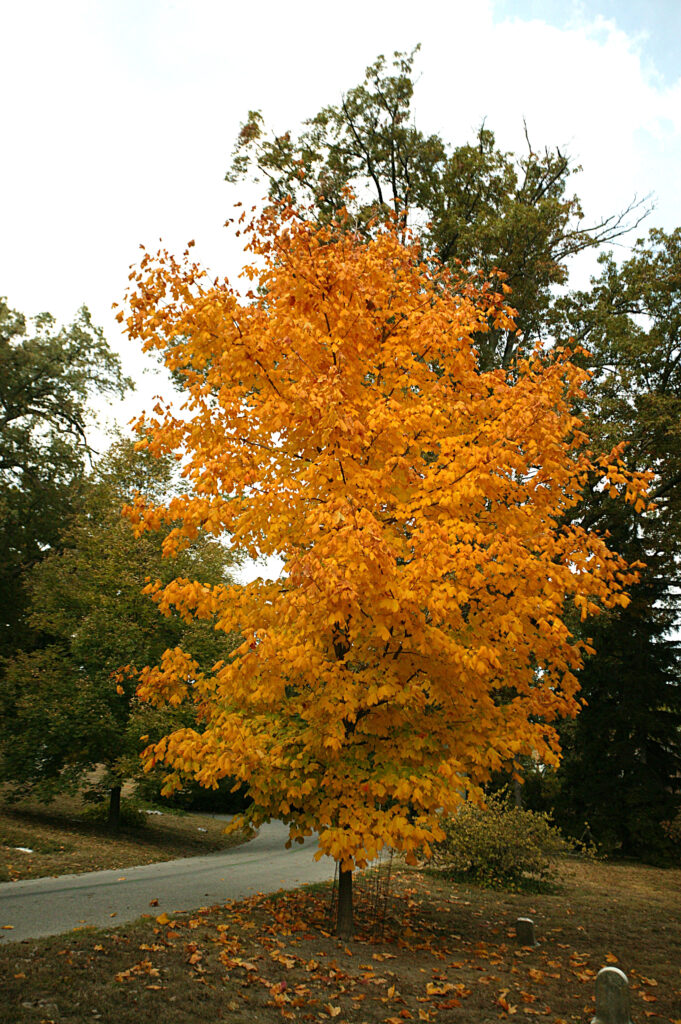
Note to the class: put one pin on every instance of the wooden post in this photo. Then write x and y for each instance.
(114, 808)
(344, 921)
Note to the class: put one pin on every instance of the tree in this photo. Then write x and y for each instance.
(415, 641)
(489, 209)
(47, 377)
(620, 777)
(470, 203)
(622, 771)
(68, 705)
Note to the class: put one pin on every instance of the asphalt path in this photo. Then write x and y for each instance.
(52, 906)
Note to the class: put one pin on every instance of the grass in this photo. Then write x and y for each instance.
(448, 955)
(63, 840)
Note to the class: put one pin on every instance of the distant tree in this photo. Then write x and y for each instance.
(471, 202)
(622, 769)
(48, 375)
(68, 705)
(619, 781)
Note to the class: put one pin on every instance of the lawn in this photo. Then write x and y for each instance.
(62, 840)
(448, 954)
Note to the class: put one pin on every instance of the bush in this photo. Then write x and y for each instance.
(500, 846)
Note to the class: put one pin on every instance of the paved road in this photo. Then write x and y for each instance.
(51, 906)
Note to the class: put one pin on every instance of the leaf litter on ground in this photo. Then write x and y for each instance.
(447, 954)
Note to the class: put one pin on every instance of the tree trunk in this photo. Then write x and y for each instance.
(114, 808)
(344, 922)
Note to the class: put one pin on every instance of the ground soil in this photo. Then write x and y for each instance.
(441, 952)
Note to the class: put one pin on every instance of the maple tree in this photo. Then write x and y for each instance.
(415, 641)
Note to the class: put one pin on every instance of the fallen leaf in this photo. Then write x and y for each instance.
(153, 903)
(611, 958)
(440, 990)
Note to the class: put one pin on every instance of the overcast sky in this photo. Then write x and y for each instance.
(119, 116)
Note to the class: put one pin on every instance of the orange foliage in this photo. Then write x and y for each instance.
(416, 640)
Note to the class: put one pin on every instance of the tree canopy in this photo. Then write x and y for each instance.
(476, 204)
(337, 416)
(622, 769)
(471, 203)
(69, 705)
(48, 375)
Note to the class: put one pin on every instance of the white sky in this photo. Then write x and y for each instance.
(119, 116)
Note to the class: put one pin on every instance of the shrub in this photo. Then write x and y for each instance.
(501, 846)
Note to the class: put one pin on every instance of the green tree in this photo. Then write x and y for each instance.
(619, 780)
(68, 705)
(622, 769)
(471, 203)
(48, 376)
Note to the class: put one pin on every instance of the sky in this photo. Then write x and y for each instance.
(119, 117)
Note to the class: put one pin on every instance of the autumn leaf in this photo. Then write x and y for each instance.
(536, 974)
(433, 989)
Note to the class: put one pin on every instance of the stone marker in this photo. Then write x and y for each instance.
(524, 930)
(612, 997)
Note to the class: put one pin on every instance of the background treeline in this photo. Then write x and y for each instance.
(74, 624)
(72, 614)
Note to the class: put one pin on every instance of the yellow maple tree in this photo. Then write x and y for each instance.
(415, 640)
